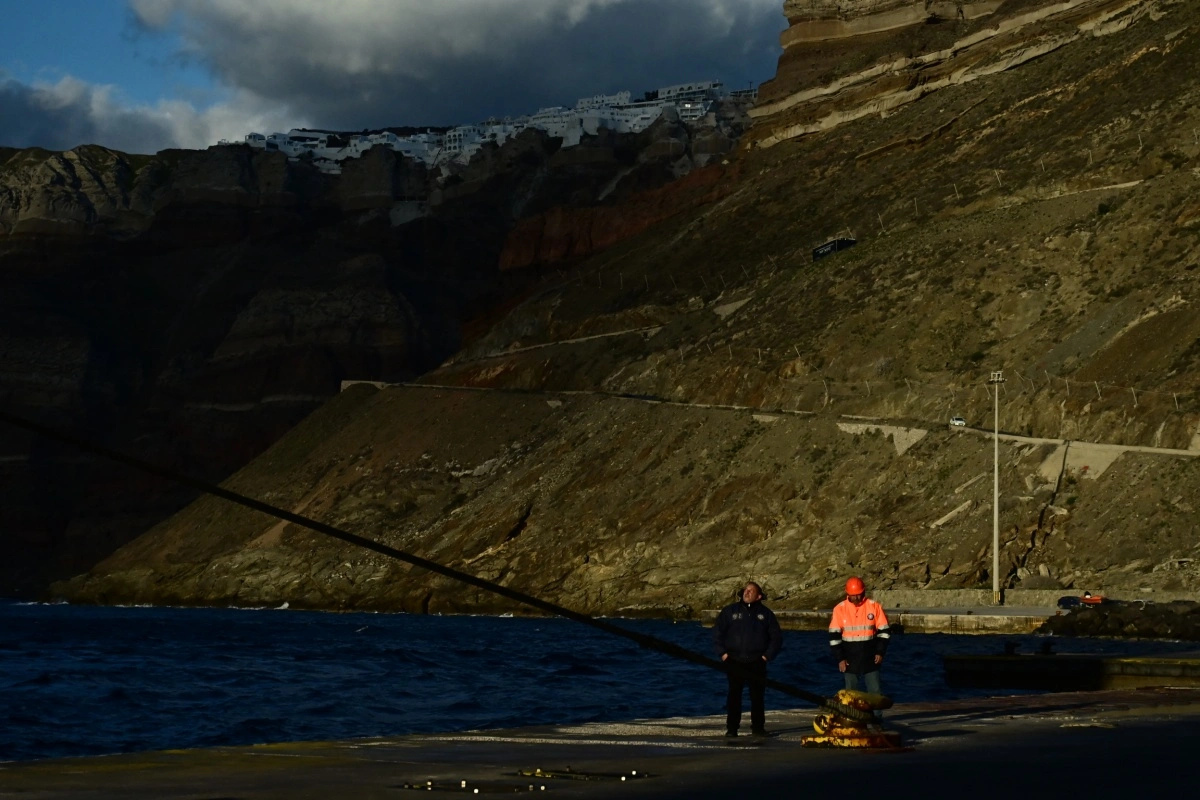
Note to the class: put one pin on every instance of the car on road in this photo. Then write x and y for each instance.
(958, 422)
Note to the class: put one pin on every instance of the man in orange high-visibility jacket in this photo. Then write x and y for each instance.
(858, 634)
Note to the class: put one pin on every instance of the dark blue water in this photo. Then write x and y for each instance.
(82, 681)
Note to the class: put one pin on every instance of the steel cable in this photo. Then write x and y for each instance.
(641, 639)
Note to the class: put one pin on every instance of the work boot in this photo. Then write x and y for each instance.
(759, 732)
(730, 734)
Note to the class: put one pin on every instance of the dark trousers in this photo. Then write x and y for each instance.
(754, 675)
(871, 679)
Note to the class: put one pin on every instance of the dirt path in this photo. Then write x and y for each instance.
(1086, 459)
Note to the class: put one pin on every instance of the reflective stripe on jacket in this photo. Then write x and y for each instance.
(859, 633)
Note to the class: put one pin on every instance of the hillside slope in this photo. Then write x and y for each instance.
(703, 402)
(192, 306)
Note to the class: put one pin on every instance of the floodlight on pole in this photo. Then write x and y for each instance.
(995, 381)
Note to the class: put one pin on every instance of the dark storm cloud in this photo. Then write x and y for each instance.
(360, 63)
(69, 113)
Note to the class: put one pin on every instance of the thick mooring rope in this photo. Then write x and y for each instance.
(643, 640)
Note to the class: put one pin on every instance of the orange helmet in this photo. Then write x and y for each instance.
(855, 586)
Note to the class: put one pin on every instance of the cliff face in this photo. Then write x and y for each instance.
(192, 306)
(847, 59)
(567, 234)
(704, 402)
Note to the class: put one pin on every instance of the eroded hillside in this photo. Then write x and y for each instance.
(703, 402)
(192, 306)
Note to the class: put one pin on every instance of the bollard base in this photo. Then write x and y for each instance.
(837, 730)
(883, 740)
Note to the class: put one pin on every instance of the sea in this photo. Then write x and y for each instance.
(79, 681)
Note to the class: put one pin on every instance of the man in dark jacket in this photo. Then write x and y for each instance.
(746, 637)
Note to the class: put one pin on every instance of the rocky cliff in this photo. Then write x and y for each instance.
(193, 306)
(847, 59)
(705, 402)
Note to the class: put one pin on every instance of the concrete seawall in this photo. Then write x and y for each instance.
(960, 611)
(982, 598)
(942, 620)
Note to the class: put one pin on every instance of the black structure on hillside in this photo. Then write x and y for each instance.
(834, 246)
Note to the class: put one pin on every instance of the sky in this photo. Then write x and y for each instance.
(144, 75)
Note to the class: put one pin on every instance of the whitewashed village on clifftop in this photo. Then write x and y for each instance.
(435, 147)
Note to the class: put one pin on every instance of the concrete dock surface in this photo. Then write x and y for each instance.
(1092, 744)
(1072, 671)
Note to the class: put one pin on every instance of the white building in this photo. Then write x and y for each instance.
(690, 110)
(424, 147)
(636, 117)
(556, 121)
(462, 137)
(603, 101)
(703, 90)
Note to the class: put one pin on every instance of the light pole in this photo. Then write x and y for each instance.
(996, 379)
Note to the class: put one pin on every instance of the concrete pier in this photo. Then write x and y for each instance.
(1072, 671)
(1090, 744)
(987, 620)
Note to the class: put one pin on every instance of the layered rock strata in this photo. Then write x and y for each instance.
(846, 60)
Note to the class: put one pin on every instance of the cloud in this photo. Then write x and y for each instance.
(69, 113)
(364, 63)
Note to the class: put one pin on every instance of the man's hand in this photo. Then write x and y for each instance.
(878, 660)
(724, 656)
(843, 665)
